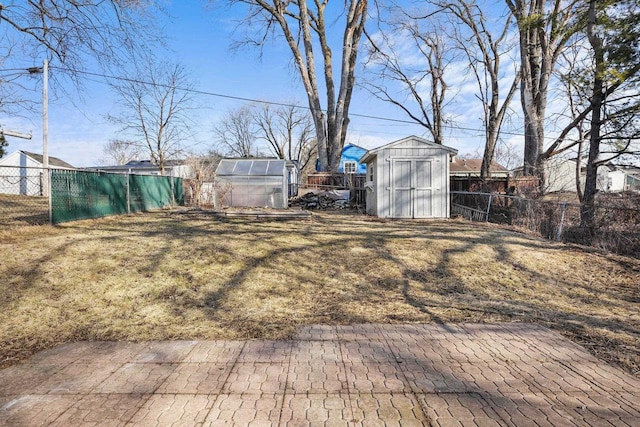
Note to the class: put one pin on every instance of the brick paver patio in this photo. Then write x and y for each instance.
(361, 375)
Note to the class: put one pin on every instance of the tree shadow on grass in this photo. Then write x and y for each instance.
(265, 279)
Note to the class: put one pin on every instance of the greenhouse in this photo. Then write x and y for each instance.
(253, 183)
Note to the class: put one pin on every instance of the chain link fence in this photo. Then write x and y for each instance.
(85, 194)
(24, 199)
(617, 218)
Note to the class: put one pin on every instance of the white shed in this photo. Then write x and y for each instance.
(408, 178)
(21, 173)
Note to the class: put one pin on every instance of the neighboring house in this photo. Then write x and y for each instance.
(253, 182)
(21, 172)
(561, 176)
(174, 168)
(471, 168)
(408, 178)
(617, 178)
(350, 160)
(560, 173)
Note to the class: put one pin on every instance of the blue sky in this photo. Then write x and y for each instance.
(200, 38)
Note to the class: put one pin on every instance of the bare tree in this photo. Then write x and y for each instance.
(544, 27)
(484, 51)
(507, 155)
(236, 133)
(203, 168)
(288, 132)
(120, 152)
(304, 28)
(155, 113)
(423, 83)
(576, 93)
(68, 32)
(613, 32)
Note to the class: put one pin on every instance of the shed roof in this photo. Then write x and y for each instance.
(251, 167)
(373, 153)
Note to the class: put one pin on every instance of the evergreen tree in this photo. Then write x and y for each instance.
(3, 145)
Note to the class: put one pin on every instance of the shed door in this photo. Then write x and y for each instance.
(411, 188)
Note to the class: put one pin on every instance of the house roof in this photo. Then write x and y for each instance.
(142, 165)
(372, 153)
(354, 146)
(474, 165)
(626, 169)
(53, 161)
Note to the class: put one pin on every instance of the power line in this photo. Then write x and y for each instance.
(280, 104)
(255, 100)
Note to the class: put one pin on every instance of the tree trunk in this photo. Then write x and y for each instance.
(331, 126)
(544, 28)
(587, 207)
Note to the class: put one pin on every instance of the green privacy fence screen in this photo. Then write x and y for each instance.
(82, 194)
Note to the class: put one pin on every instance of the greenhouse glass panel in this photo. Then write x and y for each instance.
(259, 168)
(225, 167)
(276, 167)
(242, 167)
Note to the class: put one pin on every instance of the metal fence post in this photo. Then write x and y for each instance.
(50, 189)
(486, 219)
(559, 232)
(173, 192)
(128, 197)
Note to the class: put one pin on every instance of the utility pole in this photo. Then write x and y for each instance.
(45, 122)
(15, 134)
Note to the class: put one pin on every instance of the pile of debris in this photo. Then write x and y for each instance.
(334, 199)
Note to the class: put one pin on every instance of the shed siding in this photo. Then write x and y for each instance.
(373, 190)
(411, 180)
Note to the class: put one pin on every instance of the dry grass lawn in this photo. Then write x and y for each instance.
(170, 275)
(18, 211)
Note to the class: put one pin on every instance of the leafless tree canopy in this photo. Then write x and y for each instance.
(414, 49)
(68, 33)
(484, 49)
(288, 132)
(285, 132)
(392, 65)
(236, 134)
(119, 152)
(155, 113)
(306, 28)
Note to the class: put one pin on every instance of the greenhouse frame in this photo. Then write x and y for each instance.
(253, 182)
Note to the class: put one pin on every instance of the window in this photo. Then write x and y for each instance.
(371, 173)
(349, 167)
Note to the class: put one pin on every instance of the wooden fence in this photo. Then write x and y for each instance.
(340, 181)
(510, 185)
(328, 180)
